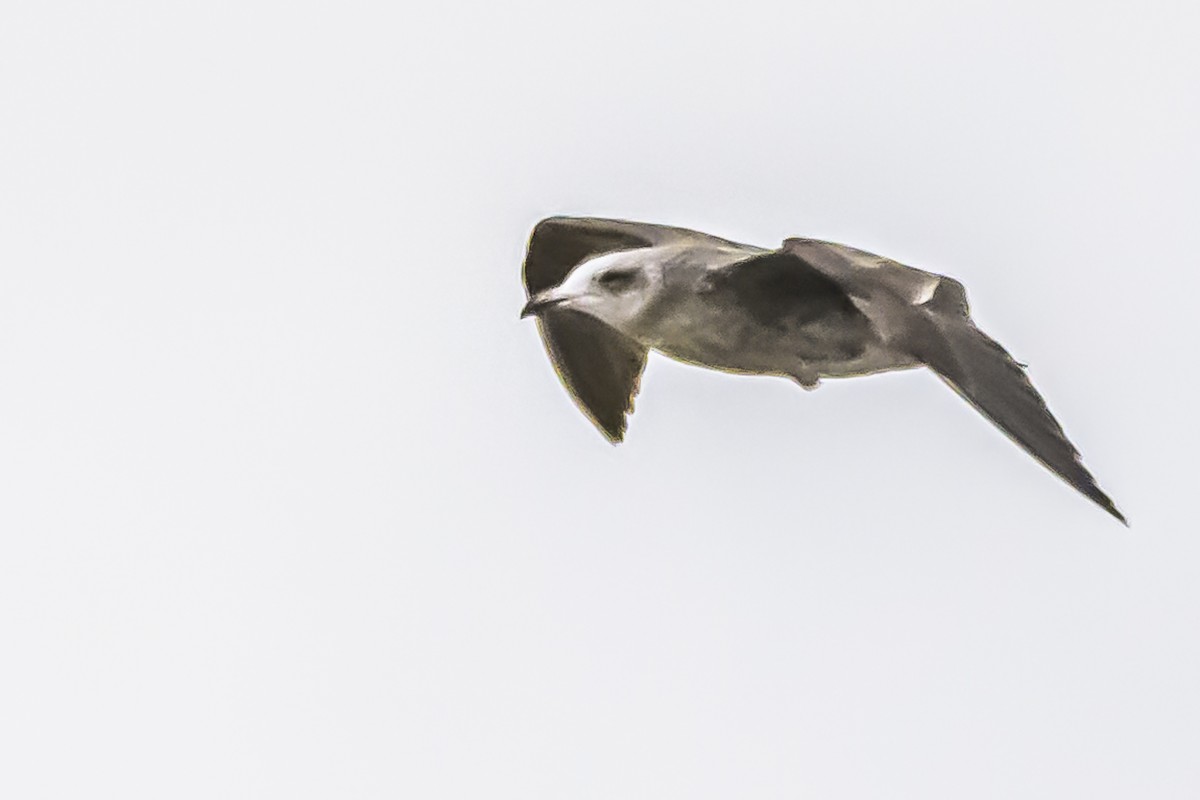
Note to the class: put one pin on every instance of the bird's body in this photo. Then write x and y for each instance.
(778, 324)
(608, 291)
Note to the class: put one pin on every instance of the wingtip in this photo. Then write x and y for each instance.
(615, 436)
(1105, 502)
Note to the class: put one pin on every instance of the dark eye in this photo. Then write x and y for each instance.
(617, 279)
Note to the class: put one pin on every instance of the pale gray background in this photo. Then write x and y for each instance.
(292, 505)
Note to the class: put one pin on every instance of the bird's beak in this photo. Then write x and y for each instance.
(541, 301)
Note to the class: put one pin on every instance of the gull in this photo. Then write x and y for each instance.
(605, 292)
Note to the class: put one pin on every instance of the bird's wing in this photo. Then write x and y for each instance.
(776, 287)
(784, 295)
(600, 367)
(880, 286)
(927, 315)
(984, 374)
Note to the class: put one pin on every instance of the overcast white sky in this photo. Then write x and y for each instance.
(293, 505)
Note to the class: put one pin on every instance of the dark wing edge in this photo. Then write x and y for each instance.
(991, 380)
(600, 368)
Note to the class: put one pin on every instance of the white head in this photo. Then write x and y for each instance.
(614, 288)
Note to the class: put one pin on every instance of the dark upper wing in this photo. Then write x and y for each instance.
(927, 315)
(784, 294)
(991, 380)
(881, 287)
(599, 366)
(778, 289)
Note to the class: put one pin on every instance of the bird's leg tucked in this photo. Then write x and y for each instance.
(807, 378)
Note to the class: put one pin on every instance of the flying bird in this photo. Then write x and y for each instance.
(605, 292)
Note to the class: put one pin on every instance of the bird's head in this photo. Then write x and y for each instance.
(615, 288)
